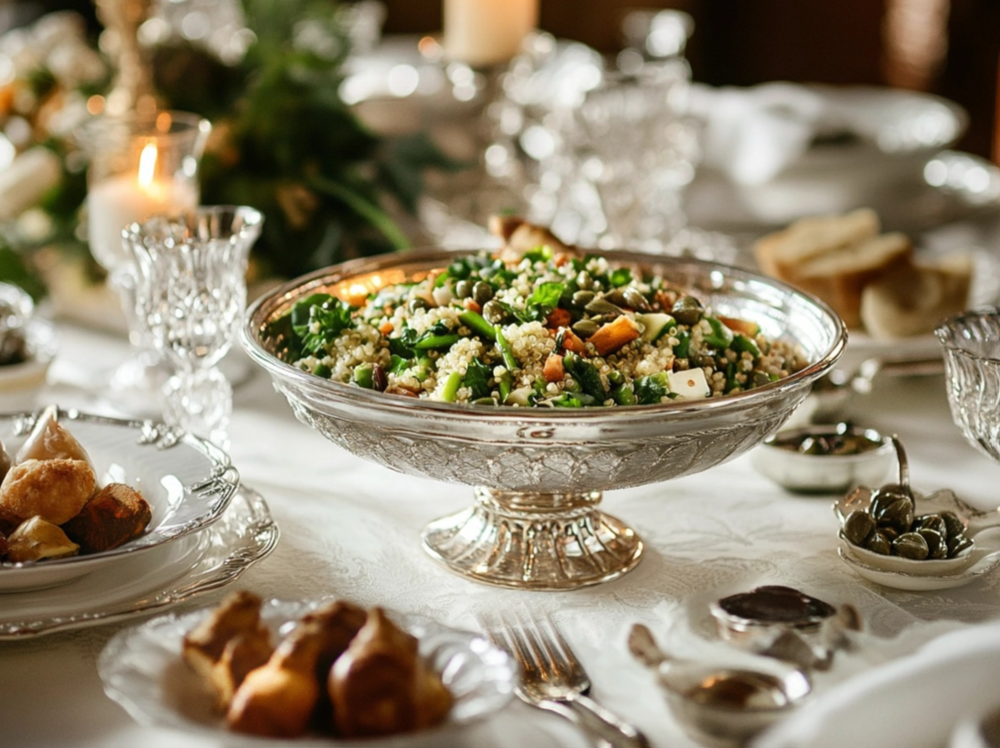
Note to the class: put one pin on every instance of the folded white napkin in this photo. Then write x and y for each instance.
(751, 134)
(913, 701)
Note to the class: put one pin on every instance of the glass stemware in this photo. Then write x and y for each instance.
(191, 295)
(140, 165)
(630, 140)
(971, 347)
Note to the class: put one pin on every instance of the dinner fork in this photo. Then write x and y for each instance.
(552, 677)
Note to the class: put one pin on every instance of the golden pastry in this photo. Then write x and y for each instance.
(55, 490)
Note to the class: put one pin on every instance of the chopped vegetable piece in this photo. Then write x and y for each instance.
(613, 335)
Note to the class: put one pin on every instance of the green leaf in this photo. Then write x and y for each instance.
(477, 379)
(542, 301)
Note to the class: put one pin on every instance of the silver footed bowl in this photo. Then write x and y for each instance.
(539, 472)
(971, 345)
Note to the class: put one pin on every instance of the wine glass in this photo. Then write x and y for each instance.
(141, 165)
(190, 297)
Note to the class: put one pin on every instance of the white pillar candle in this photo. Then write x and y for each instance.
(117, 201)
(487, 32)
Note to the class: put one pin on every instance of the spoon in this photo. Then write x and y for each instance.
(721, 705)
(831, 394)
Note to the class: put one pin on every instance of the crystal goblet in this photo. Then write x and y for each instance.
(141, 165)
(190, 296)
(631, 141)
(971, 345)
(540, 472)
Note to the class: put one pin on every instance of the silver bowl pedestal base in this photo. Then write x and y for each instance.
(538, 541)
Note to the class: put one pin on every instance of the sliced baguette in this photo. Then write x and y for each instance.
(840, 276)
(781, 253)
(913, 300)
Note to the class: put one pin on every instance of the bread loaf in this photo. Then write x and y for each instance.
(912, 300)
(838, 278)
(781, 253)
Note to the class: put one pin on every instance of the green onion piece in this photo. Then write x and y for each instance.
(451, 385)
(683, 344)
(745, 344)
(478, 324)
(322, 370)
(432, 342)
(503, 384)
(623, 395)
(505, 351)
(363, 376)
(721, 336)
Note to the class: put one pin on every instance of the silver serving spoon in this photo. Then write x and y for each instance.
(720, 705)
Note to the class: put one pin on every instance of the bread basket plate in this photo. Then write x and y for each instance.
(142, 669)
(984, 292)
(187, 481)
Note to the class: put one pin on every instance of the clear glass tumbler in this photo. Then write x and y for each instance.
(190, 297)
(141, 165)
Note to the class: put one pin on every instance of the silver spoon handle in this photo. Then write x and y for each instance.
(607, 725)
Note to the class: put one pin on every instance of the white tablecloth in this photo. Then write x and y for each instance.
(351, 528)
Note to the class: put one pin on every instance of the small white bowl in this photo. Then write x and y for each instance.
(983, 528)
(20, 384)
(803, 473)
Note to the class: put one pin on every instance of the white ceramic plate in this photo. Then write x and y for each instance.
(142, 669)
(906, 574)
(187, 481)
(950, 186)
(168, 574)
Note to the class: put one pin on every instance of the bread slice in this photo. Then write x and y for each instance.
(914, 299)
(781, 253)
(839, 277)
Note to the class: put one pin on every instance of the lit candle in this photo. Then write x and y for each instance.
(117, 201)
(487, 32)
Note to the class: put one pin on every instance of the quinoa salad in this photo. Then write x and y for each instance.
(545, 329)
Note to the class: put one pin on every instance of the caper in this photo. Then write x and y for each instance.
(911, 545)
(858, 527)
(494, 312)
(898, 515)
(878, 543)
(463, 289)
(933, 522)
(416, 304)
(954, 525)
(482, 292)
(958, 543)
(582, 298)
(687, 310)
(603, 307)
(585, 327)
(635, 300)
(937, 546)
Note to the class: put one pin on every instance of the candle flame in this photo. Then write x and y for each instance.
(147, 165)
